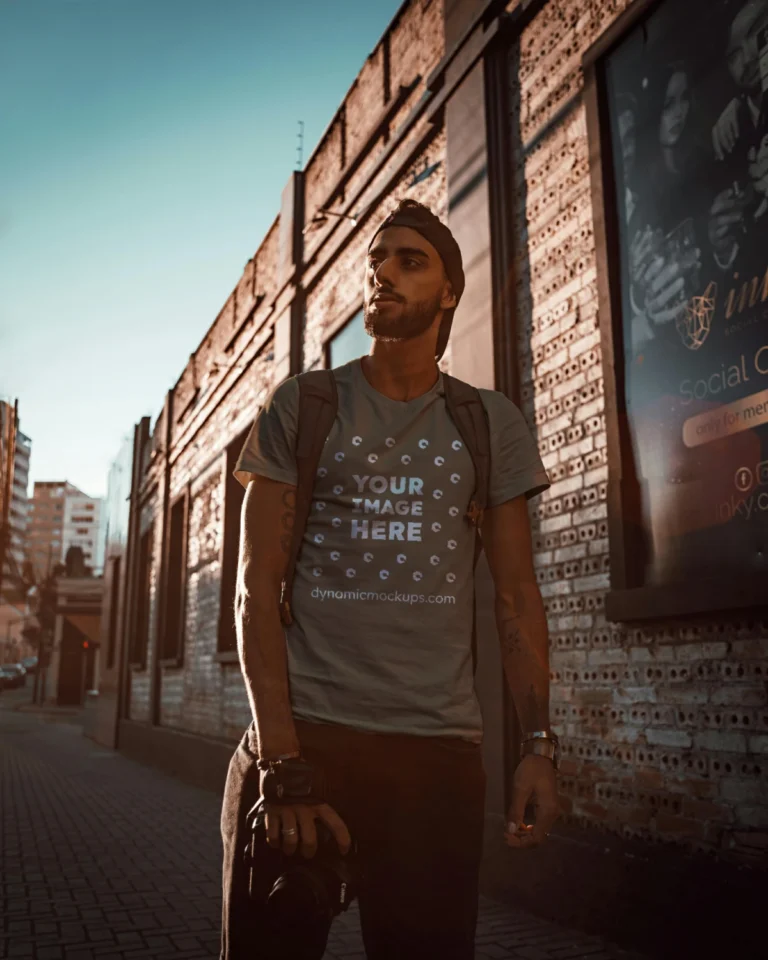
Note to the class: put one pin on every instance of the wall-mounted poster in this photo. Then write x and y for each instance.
(687, 94)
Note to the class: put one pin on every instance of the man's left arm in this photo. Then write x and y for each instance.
(524, 638)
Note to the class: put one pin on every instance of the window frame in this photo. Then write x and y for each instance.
(140, 633)
(234, 494)
(172, 632)
(335, 329)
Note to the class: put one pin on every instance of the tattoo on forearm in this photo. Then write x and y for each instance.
(511, 637)
(287, 520)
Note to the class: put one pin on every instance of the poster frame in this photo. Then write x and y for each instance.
(629, 597)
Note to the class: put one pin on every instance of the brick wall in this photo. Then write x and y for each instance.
(665, 727)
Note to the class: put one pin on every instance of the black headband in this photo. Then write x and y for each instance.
(439, 236)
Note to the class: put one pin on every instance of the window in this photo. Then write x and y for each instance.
(172, 637)
(233, 502)
(349, 343)
(141, 627)
(114, 596)
(89, 506)
(82, 519)
(81, 531)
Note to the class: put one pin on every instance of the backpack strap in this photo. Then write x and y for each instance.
(318, 403)
(468, 413)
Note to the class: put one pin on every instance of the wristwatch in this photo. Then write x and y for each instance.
(544, 743)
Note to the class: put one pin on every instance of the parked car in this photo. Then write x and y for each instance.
(30, 664)
(12, 675)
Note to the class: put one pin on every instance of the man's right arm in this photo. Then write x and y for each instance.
(268, 515)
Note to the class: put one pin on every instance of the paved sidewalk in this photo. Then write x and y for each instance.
(103, 858)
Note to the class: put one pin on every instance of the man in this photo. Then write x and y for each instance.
(740, 141)
(375, 682)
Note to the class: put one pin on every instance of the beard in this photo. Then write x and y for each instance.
(401, 321)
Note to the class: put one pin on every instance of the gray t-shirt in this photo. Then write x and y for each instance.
(382, 598)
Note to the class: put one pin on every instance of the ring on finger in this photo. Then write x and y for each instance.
(289, 833)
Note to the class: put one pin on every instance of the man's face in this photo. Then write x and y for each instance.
(743, 54)
(405, 285)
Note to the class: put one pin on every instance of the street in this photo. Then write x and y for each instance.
(104, 858)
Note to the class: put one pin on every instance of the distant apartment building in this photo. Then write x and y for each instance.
(82, 528)
(17, 460)
(19, 513)
(63, 516)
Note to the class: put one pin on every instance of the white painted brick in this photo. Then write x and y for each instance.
(583, 344)
(555, 425)
(726, 741)
(591, 409)
(552, 524)
(739, 696)
(668, 738)
(688, 652)
(557, 588)
(596, 581)
(682, 694)
(598, 511)
(578, 449)
(662, 654)
(556, 360)
(622, 695)
(568, 658)
(598, 547)
(561, 390)
(599, 658)
(567, 485)
(756, 649)
(598, 475)
(576, 552)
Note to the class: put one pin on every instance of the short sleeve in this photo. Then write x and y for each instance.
(269, 450)
(516, 466)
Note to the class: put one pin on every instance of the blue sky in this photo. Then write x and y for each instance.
(145, 145)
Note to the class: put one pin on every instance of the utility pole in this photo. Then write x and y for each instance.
(10, 457)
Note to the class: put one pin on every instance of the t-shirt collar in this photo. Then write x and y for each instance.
(361, 383)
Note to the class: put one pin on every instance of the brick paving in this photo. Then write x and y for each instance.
(102, 858)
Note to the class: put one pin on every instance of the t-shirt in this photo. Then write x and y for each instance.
(383, 593)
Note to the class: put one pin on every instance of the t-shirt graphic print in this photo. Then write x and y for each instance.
(382, 598)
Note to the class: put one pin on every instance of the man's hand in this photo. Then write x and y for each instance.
(300, 818)
(725, 214)
(665, 286)
(535, 780)
(758, 171)
(725, 132)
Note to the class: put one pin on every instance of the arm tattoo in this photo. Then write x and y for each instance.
(511, 639)
(287, 520)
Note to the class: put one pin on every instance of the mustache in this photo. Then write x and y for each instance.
(387, 293)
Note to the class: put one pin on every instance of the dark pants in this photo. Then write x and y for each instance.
(415, 807)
